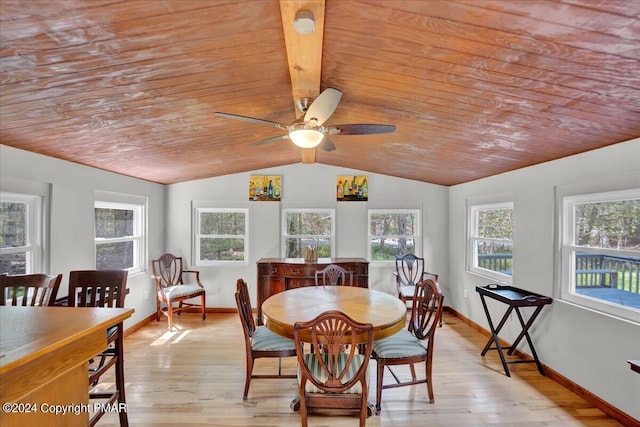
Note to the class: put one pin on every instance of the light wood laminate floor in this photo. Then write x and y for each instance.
(194, 377)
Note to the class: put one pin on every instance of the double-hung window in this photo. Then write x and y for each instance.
(120, 236)
(600, 250)
(221, 235)
(21, 233)
(308, 228)
(392, 233)
(490, 251)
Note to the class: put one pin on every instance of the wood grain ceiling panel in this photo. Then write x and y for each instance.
(474, 88)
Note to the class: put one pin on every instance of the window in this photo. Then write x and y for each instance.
(221, 235)
(393, 232)
(601, 251)
(119, 236)
(308, 227)
(491, 240)
(21, 219)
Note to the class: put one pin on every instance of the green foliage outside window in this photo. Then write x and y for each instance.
(13, 234)
(222, 236)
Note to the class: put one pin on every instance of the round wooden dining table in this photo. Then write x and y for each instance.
(385, 312)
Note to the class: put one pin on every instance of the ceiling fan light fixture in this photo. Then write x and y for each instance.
(306, 138)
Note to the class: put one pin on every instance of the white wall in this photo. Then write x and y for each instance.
(590, 349)
(306, 186)
(72, 244)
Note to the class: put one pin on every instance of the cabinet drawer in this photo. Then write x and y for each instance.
(300, 270)
(358, 269)
(268, 269)
(294, 283)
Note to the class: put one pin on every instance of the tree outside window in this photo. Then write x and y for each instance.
(491, 240)
(393, 233)
(221, 235)
(118, 236)
(20, 234)
(308, 227)
(601, 251)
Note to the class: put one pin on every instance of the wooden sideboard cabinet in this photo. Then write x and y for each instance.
(279, 274)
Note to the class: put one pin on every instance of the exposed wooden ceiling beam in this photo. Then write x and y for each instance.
(304, 54)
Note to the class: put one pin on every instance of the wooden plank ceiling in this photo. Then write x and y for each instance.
(475, 88)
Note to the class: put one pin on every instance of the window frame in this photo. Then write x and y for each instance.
(34, 247)
(417, 236)
(138, 238)
(197, 210)
(284, 233)
(566, 283)
(472, 238)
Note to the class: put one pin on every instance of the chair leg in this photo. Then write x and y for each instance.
(247, 379)
(170, 314)
(158, 309)
(204, 314)
(413, 371)
(429, 383)
(379, 378)
(120, 382)
(304, 413)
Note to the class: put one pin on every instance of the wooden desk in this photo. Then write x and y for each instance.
(385, 312)
(277, 275)
(44, 353)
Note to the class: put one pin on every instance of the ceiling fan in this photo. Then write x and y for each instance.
(309, 132)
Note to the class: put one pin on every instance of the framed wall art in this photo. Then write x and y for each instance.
(265, 188)
(352, 188)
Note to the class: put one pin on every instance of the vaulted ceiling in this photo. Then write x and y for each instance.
(474, 88)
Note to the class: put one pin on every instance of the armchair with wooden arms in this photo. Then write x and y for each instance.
(168, 274)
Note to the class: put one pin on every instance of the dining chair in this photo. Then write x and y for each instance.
(334, 375)
(409, 272)
(333, 275)
(259, 341)
(103, 288)
(414, 344)
(29, 289)
(169, 276)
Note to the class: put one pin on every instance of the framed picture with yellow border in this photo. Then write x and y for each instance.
(265, 188)
(352, 188)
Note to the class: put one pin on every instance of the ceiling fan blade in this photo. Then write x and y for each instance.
(326, 144)
(270, 140)
(360, 129)
(251, 120)
(323, 106)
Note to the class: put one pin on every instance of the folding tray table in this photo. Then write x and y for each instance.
(514, 298)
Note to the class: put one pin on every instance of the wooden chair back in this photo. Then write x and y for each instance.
(333, 275)
(409, 269)
(97, 288)
(169, 268)
(334, 374)
(426, 310)
(29, 289)
(243, 302)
